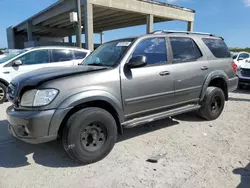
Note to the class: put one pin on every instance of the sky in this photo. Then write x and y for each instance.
(226, 18)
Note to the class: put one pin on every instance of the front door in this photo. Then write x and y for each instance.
(190, 69)
(30, 61)
(150, 88)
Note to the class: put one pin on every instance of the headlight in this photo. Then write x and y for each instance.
(38, 97)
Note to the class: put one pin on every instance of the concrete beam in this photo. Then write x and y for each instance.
(150, 23)
(88, 25)
(146, 8)
(190, 26)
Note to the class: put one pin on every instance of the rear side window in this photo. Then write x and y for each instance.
(217, 47)
(80, 55)
(184, 49)
(60, 55)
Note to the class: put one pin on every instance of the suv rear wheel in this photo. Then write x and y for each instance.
(213, 103)
(89, 135)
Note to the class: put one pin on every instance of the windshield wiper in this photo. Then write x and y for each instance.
(96, 64)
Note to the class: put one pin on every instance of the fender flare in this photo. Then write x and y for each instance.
(210, 77)
(81, 98)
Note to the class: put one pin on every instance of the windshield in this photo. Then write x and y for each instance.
(11, 55)
(108, 54)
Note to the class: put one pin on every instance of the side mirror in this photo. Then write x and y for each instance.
(137, 61)
(240, 58)
(17, 63)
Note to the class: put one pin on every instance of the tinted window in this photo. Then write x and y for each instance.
(62, 55)
(35, 57)
(244, 55)
(154, 49)
(184, 49)
(235, 56)
(80, 55)
(217, 47)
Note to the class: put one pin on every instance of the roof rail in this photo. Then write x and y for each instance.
(185, 32)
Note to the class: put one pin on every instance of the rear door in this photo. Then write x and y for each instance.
(190, 69)
(62, 57)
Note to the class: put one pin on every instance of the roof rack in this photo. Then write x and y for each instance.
(184, 32)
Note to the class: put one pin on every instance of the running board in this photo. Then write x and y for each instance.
(146, 119)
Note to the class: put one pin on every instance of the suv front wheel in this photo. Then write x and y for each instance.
(213, 103)
(89, 135)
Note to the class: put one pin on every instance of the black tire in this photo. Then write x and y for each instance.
(89, 135)
(213, 104)
(3, 90)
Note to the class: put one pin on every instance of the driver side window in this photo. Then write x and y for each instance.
(154, 49)
(35, 57)
(244, 56)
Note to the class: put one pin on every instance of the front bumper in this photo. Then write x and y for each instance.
(30, 126)
(233, 84)
(244, 81)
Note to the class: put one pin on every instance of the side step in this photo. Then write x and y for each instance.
(146, 119)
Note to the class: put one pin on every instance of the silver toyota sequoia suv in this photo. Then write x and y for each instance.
(122, 84)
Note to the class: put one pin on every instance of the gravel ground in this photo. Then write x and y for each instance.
(196, 154)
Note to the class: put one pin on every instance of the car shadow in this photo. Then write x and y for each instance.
(15, 153)
(245, 176)
(238, 99)
(242, 91)
(190, 117)
(146, 128)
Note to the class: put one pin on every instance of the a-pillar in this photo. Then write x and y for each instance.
(88, 25)
(29, 30)
(70, 39)
(190, 26)
(102, 37)
(150, 23)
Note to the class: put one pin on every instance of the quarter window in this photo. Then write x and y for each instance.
(60, 55)
(184, 49)
(154, 49)
(35, 57)
(218, 47)
(80, 55)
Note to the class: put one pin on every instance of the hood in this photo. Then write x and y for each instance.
(244, 65)
(39, 76)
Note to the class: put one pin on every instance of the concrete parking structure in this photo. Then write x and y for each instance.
(53, 23)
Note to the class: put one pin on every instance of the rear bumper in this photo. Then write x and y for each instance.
(30, 126)
(244, 81)
(233, 84)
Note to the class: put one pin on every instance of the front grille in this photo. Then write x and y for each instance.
(245, 72)
(11, 92)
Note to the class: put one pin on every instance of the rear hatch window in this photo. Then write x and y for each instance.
(218, 47)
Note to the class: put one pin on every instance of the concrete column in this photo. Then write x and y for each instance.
(29, 30)
(88, 25)
(190, 26)
(150, 23)
(70, 39)
(10, 37)
(102, 37)
(79, 24)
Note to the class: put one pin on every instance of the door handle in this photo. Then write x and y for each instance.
(204, 68)
(164, 73)
(6, 72)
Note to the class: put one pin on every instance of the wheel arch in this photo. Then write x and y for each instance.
(217, 79)
(82, 100)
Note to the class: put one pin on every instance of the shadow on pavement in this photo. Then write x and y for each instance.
(147, 128)
(15, 153)
(190, 117)
(245, 176)
(239, 99)
(242, 91)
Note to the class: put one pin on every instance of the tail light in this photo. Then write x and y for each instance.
(234, 66)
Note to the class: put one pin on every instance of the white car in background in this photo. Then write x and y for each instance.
(241, 57)
(15, 64)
